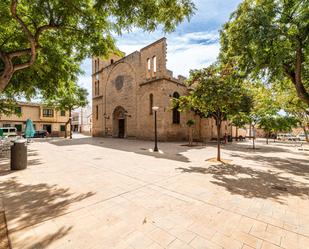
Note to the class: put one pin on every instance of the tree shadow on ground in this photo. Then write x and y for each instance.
(251, 183)
(51, 238)
(295, 166)
(30, 204)
(170, 151)
(5, 167)
(260, 148)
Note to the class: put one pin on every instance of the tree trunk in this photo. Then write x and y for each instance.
(236, 133)
(253, 140)
(267, 137)
(70, 118)
(218, 140)
(66, 128)
(190, 136)
(306, 134)
(295, 75)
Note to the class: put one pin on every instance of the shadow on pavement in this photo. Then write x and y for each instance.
(295, 166)
(250, 182)
(49, 239)
(5, 167)
(171, 151)
(29, 204)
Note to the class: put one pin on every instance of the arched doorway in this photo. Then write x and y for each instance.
(119, 122)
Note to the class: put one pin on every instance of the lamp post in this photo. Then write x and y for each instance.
(155, 109)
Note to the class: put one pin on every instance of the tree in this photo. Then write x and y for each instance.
(240, 118)
(276, 123)
(190, 123)
(264, 105)
(269, 39)
(35, 34)
(294, 106)
(69, 98)
(217, 92)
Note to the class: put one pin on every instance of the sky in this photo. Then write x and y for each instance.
(193, 45)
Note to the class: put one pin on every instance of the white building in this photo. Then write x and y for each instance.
(82, 120)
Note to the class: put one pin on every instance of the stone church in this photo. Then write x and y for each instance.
(125, 90)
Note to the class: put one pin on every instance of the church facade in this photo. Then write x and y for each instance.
(124, 90)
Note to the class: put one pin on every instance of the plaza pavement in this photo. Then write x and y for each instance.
(96, 193)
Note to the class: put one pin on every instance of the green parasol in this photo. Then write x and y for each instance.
(29, 132)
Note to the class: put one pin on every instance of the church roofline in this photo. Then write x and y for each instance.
(173, 80)
(162, 39)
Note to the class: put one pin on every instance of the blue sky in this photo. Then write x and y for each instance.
(193, 45)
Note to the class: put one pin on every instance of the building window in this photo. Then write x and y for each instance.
(176, 113)
(97, 67)
(96, 88)
(97, 112)
(154, 59)
(150, 104)
(6, 125)
(62, 127)
(18, 110)
(48, 113)
(148, 64)
(62, 113)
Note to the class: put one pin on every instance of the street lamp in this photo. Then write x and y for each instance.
(155, 109)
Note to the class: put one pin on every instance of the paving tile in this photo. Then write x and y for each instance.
(178, 244)
(247, 239)
(267, 245)
(161, 237)
(201, 243)
(226, 242)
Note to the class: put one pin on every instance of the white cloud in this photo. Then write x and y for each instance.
(191, 57)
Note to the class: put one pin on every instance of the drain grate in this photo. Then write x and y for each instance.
(4, 240)
(284, 189)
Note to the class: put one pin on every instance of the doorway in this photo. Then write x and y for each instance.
(121, 128)
(47, 127)
(119, 122)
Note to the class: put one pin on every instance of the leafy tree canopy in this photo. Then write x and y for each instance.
(69, 97)
(270, 39)
(42, 42)
(217, 91)
(277, 123)
(240, 118)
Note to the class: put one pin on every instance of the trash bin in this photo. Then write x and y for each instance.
(19, 155)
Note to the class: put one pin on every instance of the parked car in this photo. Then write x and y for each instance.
(40, 134)
(301, 137)
(287, 137)
(8, 132)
